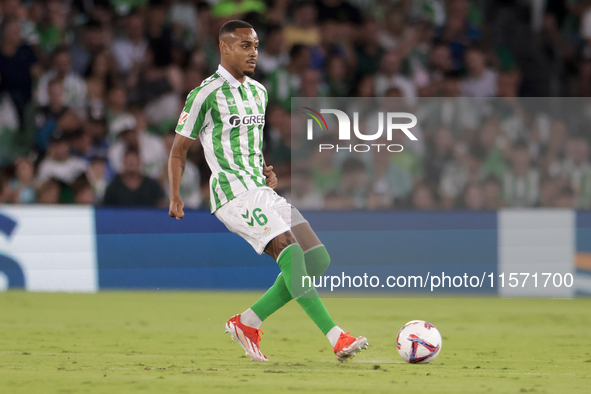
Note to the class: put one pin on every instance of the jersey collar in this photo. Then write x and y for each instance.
(229, 77)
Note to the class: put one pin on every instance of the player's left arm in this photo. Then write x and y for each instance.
(176, 168)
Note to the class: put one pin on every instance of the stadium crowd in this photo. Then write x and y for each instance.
(91, 90)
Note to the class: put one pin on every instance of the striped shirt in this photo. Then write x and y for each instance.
(228, 116)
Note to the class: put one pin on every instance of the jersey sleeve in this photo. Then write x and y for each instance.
(193, 114)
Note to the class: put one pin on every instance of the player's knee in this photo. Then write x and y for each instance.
(317, 260)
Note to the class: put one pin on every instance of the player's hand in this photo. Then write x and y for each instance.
(270, 176)
(176, 208)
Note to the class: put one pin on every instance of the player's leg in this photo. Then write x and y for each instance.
(316, 255)
(291, 261)
(317, 261)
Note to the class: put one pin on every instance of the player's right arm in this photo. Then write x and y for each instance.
(176, 168)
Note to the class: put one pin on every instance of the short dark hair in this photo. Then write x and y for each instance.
(231, 26)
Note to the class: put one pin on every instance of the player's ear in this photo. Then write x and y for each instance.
(224, 47)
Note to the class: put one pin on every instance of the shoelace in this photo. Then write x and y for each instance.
(257, 333)
(343, 337)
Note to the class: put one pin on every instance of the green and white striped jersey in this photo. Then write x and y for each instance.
(228, 116)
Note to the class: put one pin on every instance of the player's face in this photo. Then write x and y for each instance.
(242, 50)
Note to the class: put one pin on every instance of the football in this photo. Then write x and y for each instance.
(418, 342)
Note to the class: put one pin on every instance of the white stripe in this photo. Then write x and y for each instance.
(258, 130)
(206, 138)
(243, 138)
(235, 185)
(312, 248)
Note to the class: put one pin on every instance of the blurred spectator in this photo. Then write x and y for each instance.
(332, 43)
(422, 198)
(521, 182)
(100, 77)
(131, 188)
(337, 79)
(576, 168)
(565, 199)
(390, 181)
(49, 192)
(96, 130)
(53, 27)
(130, 49)
(304, 29)
(389, 76)
(130, 133)
(283, 83)
(473, 197)
(311, 85)
(73, 85)
(354, 182)
(83, 191)
(185, 22)
(13, 10)
(93, 41)
(59, 164)
(116, 108)
(4, 190)
(157, 88)
(458, 173)
(488, 147)
(159, 33)
(368, 50)
(458, 33)
(234, 9)
(555, 148)
(492, 194)
(55, 116)
(338, 10)
(272, 54)
(22, 186)
(97, 176)
(9, 129)
(441, 153)
(481, 81)
(303, 193)
(17, 61)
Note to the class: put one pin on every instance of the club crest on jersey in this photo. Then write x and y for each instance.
(257, 100)
(183, 117)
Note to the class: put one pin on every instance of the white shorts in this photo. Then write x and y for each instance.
(258, 216)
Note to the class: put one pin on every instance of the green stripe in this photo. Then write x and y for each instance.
(219, 150)
(225, 185)
(234, 134)
(251, 128)
(216, 198)
(205, 106)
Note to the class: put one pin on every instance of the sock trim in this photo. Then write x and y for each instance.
(283, 251)
(313, 247)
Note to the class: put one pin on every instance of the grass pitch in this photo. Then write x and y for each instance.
(165, 342)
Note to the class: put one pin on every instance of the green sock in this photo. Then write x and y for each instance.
(293, 267)
(317, 261)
